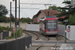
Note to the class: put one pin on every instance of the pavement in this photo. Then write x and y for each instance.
(51, 46)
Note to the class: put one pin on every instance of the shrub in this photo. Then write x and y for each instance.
(8, 28)
(19, 33)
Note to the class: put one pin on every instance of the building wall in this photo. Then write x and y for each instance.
(35, 21)
(40, 16)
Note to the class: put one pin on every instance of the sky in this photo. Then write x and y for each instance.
(30, 12)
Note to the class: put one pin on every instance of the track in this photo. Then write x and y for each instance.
(48, 39)
(31, 33)
(36, 36)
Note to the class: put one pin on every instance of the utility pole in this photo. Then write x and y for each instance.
(16, 17)
(19, 13)
(10, 13)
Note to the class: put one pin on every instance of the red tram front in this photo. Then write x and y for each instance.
(48, 26)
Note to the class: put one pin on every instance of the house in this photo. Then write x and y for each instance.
(44, 13)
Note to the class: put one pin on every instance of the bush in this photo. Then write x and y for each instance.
(4, 28)
(8, 28)
(13, 34)
(19, 33)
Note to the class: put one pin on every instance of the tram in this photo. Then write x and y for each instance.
(48, 25)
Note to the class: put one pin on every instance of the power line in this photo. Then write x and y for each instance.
(26, 8)
(45, 4)
(37, 3)
(50, 1)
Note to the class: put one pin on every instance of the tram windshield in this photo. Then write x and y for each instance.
(51, 24)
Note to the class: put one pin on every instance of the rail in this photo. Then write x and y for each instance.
(56, 42)
(40, 46)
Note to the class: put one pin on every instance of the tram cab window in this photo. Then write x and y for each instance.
(51, 24)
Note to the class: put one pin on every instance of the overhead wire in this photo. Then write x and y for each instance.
(48, 3)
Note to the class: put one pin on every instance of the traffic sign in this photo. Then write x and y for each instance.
(69, 26)
(68, 30)
(14, 29)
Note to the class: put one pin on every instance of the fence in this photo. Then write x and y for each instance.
(61, 30)
(19, 44)
(0, 30)
(71, 34)
(5, 34)
(32, 27)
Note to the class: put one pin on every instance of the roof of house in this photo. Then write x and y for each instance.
(14, 18)
(34, 19)
(62, 17)
(51, 12)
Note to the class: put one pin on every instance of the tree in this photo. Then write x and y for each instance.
(71, 20)
(3, 10)
(26, 20)
(2, 18)
(67, 10)
(54, 8)
(12, 18)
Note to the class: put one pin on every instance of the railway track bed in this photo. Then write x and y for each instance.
(36, 36)
(42, 42)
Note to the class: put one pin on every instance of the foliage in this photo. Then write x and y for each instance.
(4, 28)
(12, 18)
(71, 20)
(55, 8)
(3, 10)
(9, 37)
(61, 23)
(3, 13)
(67, 2)
(66, 11)
(26, 20)
(2, 18)
(7, 20)
(8, 28)
(19, 33)
(34, 16)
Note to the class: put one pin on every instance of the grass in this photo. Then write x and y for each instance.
(10, 37)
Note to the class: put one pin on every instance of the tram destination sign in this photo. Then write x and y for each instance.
(72, 2)
(51, 20)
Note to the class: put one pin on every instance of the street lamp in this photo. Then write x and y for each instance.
(65, 23)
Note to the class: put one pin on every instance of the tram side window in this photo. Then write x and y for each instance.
(45, 24)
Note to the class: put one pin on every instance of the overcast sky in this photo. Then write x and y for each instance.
(30, 12)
